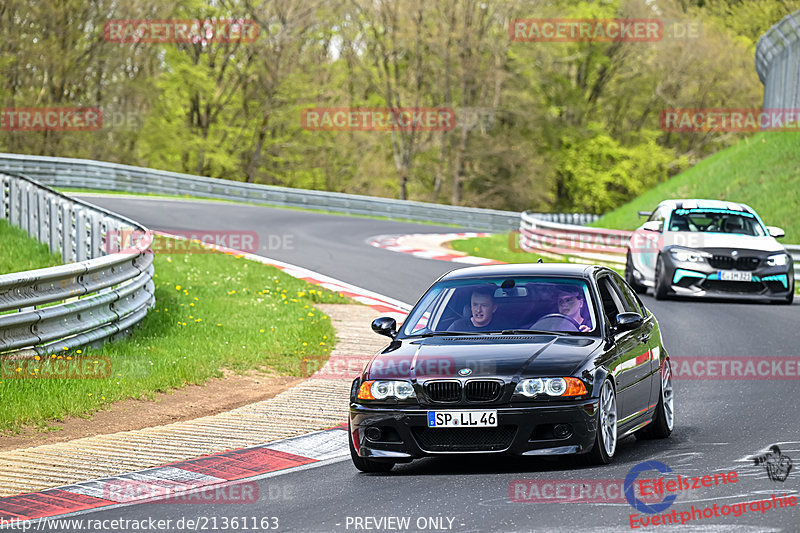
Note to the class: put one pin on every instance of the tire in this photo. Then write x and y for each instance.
(366, 465)
(664, 417)
(605, 439)
(661, 288)
(630, 278)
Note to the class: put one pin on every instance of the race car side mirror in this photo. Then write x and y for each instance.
(652, 225)
(385, 325)
(776, 232)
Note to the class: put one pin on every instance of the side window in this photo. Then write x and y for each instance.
(612, 305)
(629, 300)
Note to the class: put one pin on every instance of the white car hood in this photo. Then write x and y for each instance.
(696, 239)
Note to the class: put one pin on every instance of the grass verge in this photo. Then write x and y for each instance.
(504, 247)
(20, 252)
(213, 311)
(762, 171)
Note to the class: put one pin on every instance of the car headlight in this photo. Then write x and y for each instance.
(551, 387)
(383, 389)
(778, 260)
(688, 255)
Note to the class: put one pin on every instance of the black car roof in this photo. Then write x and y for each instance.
(525, 269)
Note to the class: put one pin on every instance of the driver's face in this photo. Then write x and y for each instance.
(483, 309)
(570, 305)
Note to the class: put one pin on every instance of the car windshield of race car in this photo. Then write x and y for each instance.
(716, 221)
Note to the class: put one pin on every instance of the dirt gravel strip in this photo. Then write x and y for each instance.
(314, 404)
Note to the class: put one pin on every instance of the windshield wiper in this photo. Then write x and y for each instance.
(525, 331)
(446, 334)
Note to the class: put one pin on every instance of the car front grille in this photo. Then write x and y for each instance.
(483, 390)
(443, 391)
(464, 439)
(724, 262)
(748, 287)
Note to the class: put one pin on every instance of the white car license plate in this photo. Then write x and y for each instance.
(735, 275)
(457, 419)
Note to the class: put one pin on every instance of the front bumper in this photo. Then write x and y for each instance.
(523, 430)
(702, 279)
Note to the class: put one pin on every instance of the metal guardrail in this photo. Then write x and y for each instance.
(97, 297)
(84, 173)
(778, 63)
(589, 245)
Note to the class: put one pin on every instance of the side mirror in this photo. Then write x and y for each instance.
(652, 225)
(385, 325)
(776, 232)
(645, 213)
(627, 322)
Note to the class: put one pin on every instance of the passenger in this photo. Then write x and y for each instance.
(572, 303)
(483, 308)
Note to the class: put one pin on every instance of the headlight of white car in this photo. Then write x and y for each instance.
(778, 260)
(688, 255)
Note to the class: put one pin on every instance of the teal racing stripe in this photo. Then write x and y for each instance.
(681, 273)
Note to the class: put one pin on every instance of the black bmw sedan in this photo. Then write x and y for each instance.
(525, 359)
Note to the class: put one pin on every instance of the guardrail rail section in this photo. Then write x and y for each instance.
(84, 173)
(778, 63)
(102, 291)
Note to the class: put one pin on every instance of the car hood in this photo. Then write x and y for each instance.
(470, 357)
(698, 240)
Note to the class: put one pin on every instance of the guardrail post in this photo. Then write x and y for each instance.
(68, 254)
(81, 242)
(43, 219)
(4, 184)
(54, 226)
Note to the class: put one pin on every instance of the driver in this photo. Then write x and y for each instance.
(483, 308)
(572, 304)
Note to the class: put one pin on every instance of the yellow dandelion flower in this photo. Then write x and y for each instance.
(36, 357)
(177, 287)
(79, 351)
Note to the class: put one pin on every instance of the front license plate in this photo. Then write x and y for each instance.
(457, 419)
(735, 275)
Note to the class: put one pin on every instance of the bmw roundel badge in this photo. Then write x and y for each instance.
(465, 372)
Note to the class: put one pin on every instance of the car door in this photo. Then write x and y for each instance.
(630, 362)
(648, 348)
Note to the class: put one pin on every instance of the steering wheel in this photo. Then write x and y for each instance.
(558, 315)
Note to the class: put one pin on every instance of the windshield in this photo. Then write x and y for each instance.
(716, 221)
(562, 305)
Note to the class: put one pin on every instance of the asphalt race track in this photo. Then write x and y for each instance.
(719, 422)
